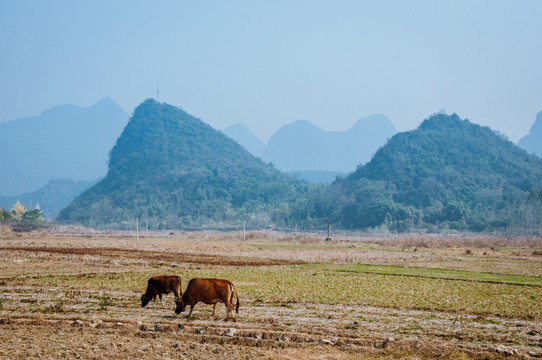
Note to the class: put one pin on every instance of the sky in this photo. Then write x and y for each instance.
(269, 63)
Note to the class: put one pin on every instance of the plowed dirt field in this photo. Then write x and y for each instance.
(77, 296)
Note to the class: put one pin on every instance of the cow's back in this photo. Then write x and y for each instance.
(165, 284)
(173, 282)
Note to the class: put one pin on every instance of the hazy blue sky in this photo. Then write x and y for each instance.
(267, 63)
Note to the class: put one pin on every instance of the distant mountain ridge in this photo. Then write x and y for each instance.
(170, 168)
(176, 171)
(246, 138)
(533, 141)
(52, 198)
(66, 141)
(304, 146)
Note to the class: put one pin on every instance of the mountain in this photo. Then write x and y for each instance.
(171, 169)
(304, 146)
(66, 141)
(52, 198)
(246, 138)
(533, 142)
(447, 174)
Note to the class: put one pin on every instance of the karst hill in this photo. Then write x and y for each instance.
(171, 169)
(448, 173)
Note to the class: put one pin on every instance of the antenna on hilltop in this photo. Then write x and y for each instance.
(157, 89)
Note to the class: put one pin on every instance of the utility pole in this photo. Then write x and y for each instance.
(244, 237)
(328, 227)
(147, 226)
(137, 230)
(157, 89)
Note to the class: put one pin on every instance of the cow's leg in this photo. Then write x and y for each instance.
(214, 309)
(231, 306)
(161, 301)
(154, 302)
(177, 293)
(228, 310)
(190, 314)
(231, 311)
(229, 303)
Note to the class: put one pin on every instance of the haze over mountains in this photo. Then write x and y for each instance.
(171, 169)
(174, 170)
(304, 146)
(301, 146)
(51, 198)
(66, 141)
(533, 141)
(246, 138)
(70, 143)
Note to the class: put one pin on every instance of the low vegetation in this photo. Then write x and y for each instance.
(21, 219)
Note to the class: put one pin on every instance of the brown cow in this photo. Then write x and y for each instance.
(211, 291)
(164, 284)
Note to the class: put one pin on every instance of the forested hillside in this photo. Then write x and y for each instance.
(171, 170)
(447, 174)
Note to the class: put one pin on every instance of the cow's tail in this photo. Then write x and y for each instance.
(234, 290)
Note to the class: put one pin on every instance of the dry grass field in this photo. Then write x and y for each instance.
(75, 294)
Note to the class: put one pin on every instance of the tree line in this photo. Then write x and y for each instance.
(21, 219)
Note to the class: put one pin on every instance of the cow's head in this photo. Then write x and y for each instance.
(179, 306)
(144, 300)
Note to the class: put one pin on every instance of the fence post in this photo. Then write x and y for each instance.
(328, 227)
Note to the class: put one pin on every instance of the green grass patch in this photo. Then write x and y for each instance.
(379, 286)
(434, 273)
(298, 246)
